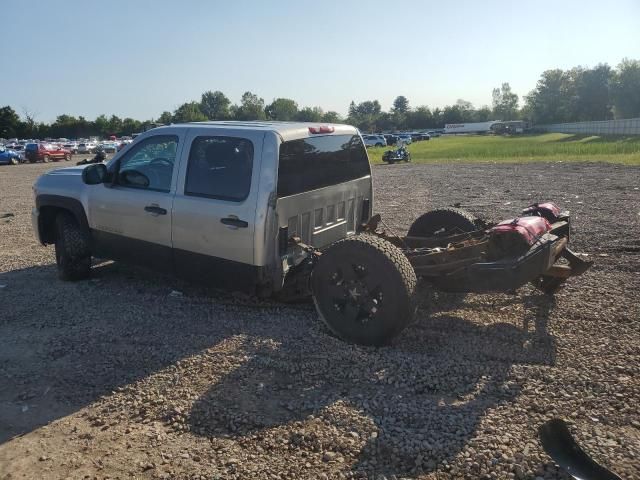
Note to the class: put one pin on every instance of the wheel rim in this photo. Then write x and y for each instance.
(354, 294)
(45, 159)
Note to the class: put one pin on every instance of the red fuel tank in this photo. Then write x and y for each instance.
(514, 237)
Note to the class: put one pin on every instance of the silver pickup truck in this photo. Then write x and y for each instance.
(282, 209)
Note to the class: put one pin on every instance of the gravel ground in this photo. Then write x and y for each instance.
(135, 375)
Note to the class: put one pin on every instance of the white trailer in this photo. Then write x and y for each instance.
(479, 127)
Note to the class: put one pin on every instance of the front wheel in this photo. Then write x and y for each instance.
(67, 157)
(13, 161)
(363, 288)
(46, 159)
(73, 257)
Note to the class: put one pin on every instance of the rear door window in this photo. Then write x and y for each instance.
(316, 162)
(220, 167)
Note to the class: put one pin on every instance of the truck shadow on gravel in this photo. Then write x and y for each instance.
(399, 410)
(64, 345)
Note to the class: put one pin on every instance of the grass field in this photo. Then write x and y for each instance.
(548, 147)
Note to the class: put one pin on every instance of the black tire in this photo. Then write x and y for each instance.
(14, 161)
(46, 159)
(73, 256)
(363, 289)
(67, 157)
(378, 145)
(443, 222)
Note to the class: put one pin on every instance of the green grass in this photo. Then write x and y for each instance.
(548, 147)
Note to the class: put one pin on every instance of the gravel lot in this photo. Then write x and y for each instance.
(118, 377)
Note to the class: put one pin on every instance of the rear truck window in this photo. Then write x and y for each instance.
(317, 162)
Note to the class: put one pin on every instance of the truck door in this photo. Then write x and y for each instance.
(215, 207)
(131, 220)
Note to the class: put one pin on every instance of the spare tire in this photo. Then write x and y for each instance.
(443, 222)
(363, 288)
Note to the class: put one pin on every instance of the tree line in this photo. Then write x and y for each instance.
(578, 94)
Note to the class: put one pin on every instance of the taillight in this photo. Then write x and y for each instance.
(322, 129)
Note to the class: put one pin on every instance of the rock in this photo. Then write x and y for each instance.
(328, 457)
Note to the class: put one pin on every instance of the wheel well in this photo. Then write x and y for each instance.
(49, 207)
(47, 222)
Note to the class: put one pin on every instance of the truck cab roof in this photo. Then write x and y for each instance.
(285, 130)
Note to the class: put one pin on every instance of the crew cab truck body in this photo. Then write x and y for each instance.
(218, 198)
(285, 209)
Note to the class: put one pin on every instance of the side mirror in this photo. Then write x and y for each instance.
(94, 174)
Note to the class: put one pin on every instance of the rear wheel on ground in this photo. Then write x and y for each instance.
(363, 288)
(46, 159)
(67, 157)
(73, 256)
(13, 161)
(442, 223)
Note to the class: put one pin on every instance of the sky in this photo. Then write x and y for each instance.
(137, 58)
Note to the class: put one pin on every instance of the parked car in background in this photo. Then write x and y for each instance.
(8, 156)
(405, 137)
(71, 146)
(374, 141)
(86, 147)
(123, 144)
(16, 148)
(108, 147)
(419, 136)
(433, 133)
(46, 152)
(391, 139)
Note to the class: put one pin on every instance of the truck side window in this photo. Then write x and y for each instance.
(220, 167)
(149, 164)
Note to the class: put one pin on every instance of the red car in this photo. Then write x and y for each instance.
(45, 152)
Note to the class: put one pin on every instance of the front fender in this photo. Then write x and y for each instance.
(47, 207)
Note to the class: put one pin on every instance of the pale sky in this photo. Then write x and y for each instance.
(136, 58)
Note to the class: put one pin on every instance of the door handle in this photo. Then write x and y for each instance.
(234, 222)
(156, 210)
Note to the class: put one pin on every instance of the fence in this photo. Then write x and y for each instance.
(629, 126)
